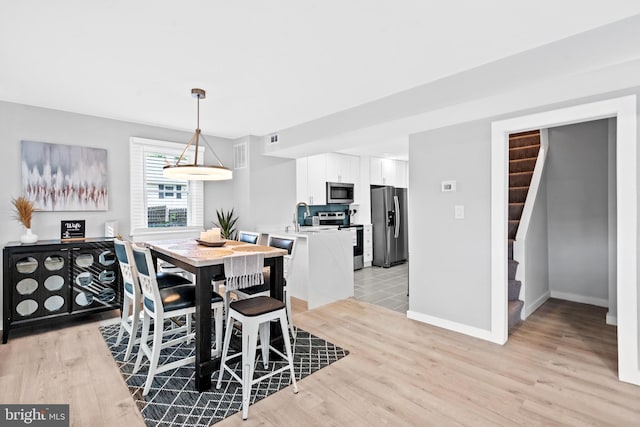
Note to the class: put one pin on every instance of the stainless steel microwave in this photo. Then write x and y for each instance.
(339, 192)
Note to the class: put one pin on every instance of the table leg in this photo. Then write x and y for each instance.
(276, 276)
(204, 367)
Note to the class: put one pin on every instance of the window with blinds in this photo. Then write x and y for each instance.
(159, 204)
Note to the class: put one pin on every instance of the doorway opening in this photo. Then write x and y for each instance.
(624, 110)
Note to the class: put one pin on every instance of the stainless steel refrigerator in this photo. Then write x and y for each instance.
(389, 219)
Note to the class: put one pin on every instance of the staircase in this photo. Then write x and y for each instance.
(523, 153)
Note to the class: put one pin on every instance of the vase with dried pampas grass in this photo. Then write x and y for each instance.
(24, 213)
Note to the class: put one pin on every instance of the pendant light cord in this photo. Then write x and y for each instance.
(197, 136)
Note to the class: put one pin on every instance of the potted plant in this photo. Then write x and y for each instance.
(226, 223)
(24, 213)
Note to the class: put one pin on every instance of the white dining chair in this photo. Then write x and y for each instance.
(255, 315)
(218, 282)
(161, 304)
(287, 243)
(132, 294)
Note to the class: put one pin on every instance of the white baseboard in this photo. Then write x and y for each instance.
(530, 308)
(600, 302)
(612, 319)
(483, 334)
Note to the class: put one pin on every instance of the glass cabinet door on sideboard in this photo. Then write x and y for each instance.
(51, 280)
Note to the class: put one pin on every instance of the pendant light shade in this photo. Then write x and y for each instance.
(194, 171)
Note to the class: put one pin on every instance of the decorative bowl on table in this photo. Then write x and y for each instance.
(211, 244)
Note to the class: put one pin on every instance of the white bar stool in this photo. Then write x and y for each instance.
(256, 315)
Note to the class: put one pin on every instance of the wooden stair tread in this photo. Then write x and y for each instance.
(526, 159)
(524, 134)
(521, 187)
(516, 203)
(525, 147)
(520, 173)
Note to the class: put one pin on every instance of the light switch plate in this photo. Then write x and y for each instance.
(459, 212)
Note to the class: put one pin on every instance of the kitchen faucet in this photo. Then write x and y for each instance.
(295, 214)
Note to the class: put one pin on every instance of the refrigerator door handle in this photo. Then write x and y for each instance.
(396, 232)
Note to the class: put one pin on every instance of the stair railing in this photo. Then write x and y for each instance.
(519, 243)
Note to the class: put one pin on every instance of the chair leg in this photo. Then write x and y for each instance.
(155, 356)
(226, 297)
(134, 331)
(126, 302)
(287, 347)
(225, 350)
(146, 323)
(217, 315)
(287, 303)
(249, 341)
(265, 336)
(188, 321)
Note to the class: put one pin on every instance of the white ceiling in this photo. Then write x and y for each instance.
(266, 65)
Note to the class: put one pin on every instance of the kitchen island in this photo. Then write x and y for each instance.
(322, 268)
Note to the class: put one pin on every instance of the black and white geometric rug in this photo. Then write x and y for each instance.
(173, 402)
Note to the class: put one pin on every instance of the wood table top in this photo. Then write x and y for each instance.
(193, 253)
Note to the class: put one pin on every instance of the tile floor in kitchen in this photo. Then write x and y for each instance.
(386, 287)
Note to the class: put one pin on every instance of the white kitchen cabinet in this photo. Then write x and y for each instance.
(313, 172)
(317, 179)
(342, 168)
(367, 245)
(388, 172)
(400, 174)
(375, 171)
(322, 269)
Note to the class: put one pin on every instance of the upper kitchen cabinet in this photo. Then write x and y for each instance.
(313, 173)
(311, 176)
(342, 168)
(389, 172)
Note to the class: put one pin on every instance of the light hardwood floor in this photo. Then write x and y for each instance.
(558, 368)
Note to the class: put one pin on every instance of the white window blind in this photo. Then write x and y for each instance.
(158, 204)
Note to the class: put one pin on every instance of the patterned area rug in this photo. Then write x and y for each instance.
(173, 402)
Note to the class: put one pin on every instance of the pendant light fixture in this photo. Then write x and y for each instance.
(194, 171)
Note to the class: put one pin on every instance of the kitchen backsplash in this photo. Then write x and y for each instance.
(321, 208)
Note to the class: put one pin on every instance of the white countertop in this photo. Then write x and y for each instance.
(305, 231)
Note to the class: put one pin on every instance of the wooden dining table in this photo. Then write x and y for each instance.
(206, 262)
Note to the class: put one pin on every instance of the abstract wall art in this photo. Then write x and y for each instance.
(59, 177)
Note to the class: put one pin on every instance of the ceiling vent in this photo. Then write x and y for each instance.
(240, 156)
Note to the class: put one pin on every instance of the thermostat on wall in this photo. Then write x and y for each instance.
(447, 186)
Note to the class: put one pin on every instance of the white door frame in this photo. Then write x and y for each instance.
(624, 109)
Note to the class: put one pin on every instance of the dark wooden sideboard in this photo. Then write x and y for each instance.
(50, 280)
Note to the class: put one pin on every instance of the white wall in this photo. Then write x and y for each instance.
(438, 288)
(21, 122)
(242, 190)
(612, 315)
(449, 274)
(265, 192)
(577, 208)
(364, 211)
(536, 277)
